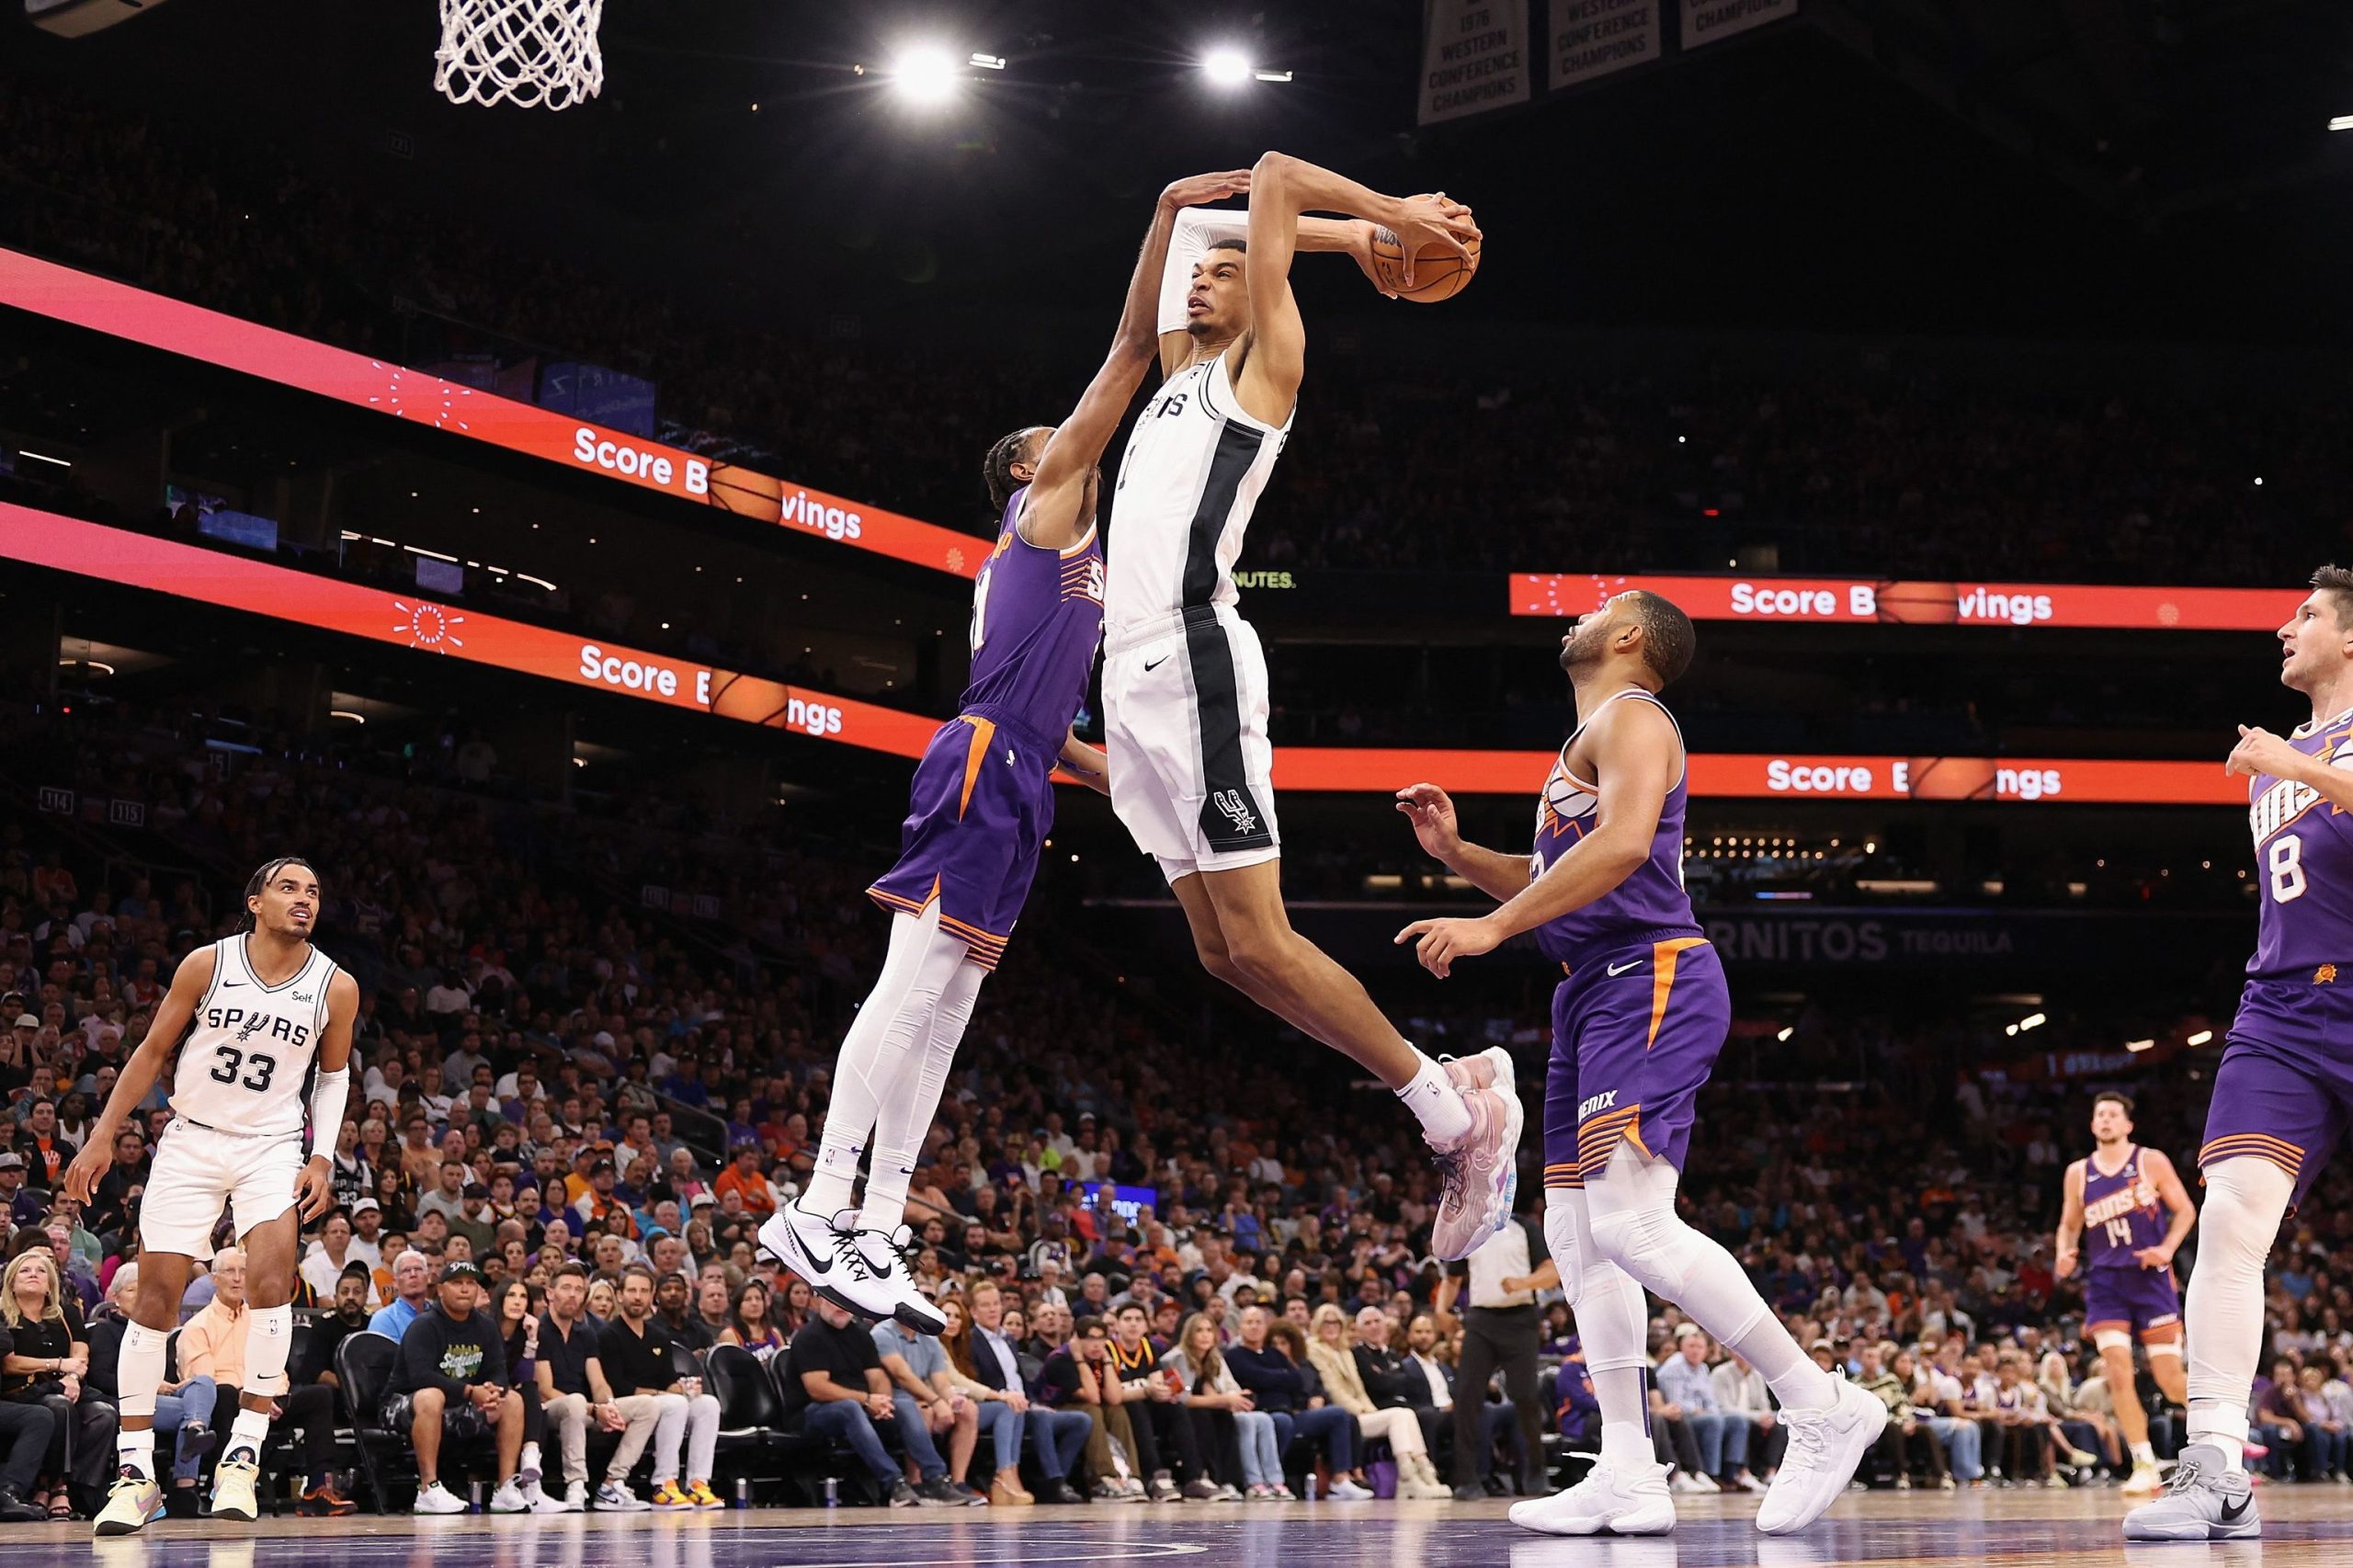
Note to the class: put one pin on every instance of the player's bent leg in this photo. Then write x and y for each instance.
(1210, 945)
(1305, 984)
(1832, 1423)
(136, 1495)
(2115, 1342)
(2166, 1354)
(882, 1237)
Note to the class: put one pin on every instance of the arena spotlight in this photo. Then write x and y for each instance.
(2341, 122)
(1226, 67)
(2139, 1045)
(1787, 1031)
(2033, 1021)
(925, 73)
(2203, 1037)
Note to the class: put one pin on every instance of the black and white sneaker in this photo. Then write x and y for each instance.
(2205, 1500)
(826, 1252)
(889, 1261)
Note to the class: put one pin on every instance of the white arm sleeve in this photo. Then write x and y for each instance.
(328, 1095)
(1197, 228)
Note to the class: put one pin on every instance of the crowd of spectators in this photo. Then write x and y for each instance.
(1542, 462)
(572, 1112)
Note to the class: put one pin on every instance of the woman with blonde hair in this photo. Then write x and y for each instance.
(1336, 1362)
(49, 1356)
(1244, 1437)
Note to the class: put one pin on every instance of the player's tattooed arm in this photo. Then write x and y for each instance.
(189, 983)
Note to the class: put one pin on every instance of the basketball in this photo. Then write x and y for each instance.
(1438, 274)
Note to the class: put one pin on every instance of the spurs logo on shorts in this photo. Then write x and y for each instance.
(1237, 811)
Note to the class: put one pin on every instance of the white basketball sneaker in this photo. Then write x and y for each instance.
(1610, 1500)
(886, 1260)
(1826, 1448)
(2206, 1500)
(826, 1252)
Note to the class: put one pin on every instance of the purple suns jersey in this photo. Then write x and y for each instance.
(1649, 905)
(2304, 851)
(2122, 1214)
(1037, 615)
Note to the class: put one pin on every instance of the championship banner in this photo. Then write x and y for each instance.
(119, 311)
(1594, 37)
(415, 620)
(1857, 600)
(1705, 21)
(1474, 57)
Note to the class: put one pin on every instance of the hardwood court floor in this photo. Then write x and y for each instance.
(2302, 1526)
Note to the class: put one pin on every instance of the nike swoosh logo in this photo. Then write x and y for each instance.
(227, 984)
(1156, 664)
(1617, 969)
(2232, 1514)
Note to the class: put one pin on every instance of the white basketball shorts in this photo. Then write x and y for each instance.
(198, 1169)
(1185, 725)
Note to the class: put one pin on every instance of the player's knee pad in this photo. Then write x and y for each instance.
(2246, 1197)
(2114, 1339)
(1561, 1235)
(1646, 1240)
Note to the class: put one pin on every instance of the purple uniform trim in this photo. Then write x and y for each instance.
(2284, 1092)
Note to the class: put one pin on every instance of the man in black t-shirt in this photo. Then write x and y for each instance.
(835, 1387)
(450, 1380)
(639, 1356)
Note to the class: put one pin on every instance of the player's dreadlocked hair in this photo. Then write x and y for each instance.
(998, 468)
(1667, 637)
(261, 880)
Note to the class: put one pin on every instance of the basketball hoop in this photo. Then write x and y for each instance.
(532, 53)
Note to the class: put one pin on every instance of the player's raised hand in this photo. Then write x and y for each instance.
(1434, 220)
(1432, 813)
(89, 1168)
(2261, 752)
(315, 1188)
(1198, 190)
(1437, 943)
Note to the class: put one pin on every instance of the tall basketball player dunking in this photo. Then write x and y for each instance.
(2129, 1201)
(1636, 1027)
(267, 1007)
(2283, 1094)
(1185, 679)
(984, 802)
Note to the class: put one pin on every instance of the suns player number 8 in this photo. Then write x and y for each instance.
(2287, 875)
(225, 1071)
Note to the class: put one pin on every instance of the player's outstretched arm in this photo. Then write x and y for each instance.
(1493, 872)
(1051, 514)
(1197, 229)
(1635, 751)
(189, 983)
(1089, 762)
(2071, 1223)
(1274, 356)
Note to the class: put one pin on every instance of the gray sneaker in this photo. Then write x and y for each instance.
(2205, 1500)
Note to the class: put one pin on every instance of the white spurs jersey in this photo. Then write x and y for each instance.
(249, 1052)
(1195, 467)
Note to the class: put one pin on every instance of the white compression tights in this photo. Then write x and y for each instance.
(894, 1029)
(1635, 1226)
(1613, 1325)
(2246, 1199)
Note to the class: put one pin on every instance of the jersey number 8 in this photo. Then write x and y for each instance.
(225, 1071)
(2287, 875)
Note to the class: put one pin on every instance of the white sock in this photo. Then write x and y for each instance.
(2247, 1196)
(1626, 1445)
(529, 1462)
(2144, 1454)
(249, 1430)
(138, 1372)
(895, 1017)
(1634, 1222)
(907, 1116)
(137, 1449)
(1432, 1097)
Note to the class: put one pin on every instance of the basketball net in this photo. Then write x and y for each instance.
(531, 52)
